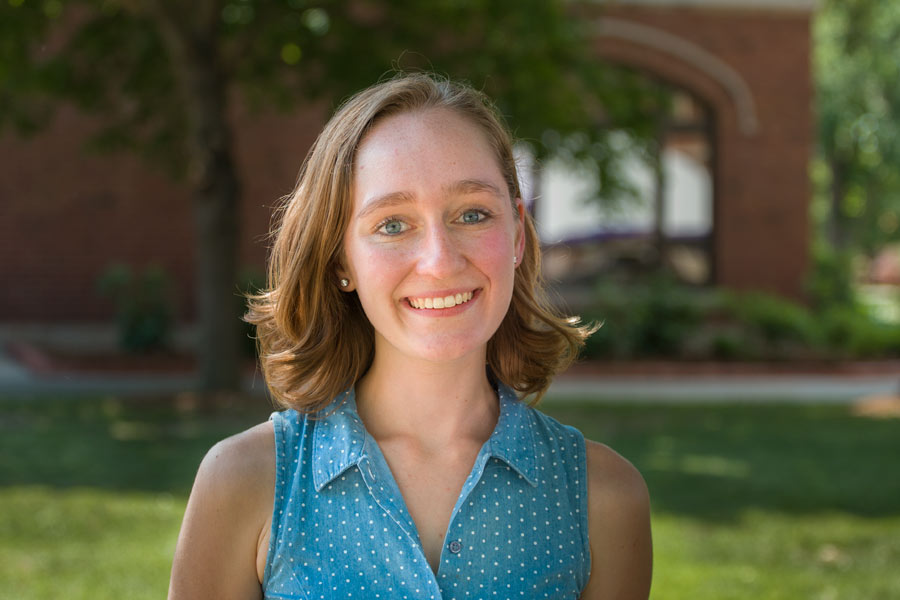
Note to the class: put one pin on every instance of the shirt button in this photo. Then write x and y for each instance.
(455, 546)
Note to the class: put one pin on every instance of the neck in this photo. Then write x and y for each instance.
(432, 403)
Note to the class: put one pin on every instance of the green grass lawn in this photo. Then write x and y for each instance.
(765, 502)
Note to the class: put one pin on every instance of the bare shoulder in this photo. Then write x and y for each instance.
(226, 521)
(613, 482)
(242, 460)
(237, 479)
(619, 527)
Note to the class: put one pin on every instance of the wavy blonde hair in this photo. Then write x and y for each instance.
(315, 340)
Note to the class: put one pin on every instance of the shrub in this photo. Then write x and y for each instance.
(850, 332)
(143, 305)
(661, 318)
(830, 283)
(653, 319)
(776, 320)
(730, 345)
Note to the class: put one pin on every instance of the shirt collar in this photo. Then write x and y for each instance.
(513, 437)
(340, 438)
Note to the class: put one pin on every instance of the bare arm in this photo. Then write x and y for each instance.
(621, 547)
(221, 548)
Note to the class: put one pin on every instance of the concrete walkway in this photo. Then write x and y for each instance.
(726, 388)
(18, 380)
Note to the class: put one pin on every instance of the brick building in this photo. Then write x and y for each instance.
(65, 214)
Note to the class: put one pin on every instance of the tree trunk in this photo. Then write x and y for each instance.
(215, 218)
(835, 228)
(659, 202)
(215, 190)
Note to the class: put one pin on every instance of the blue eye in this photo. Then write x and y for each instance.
(392, 227)
(470, 217)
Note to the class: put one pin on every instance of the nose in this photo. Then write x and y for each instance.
(440, 254)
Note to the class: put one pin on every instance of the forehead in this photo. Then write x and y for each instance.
(415, 150)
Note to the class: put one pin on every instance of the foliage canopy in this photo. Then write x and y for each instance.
(115, 58)
(856, 72)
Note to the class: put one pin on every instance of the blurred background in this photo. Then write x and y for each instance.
(716, 181)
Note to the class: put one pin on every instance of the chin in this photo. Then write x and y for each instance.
(446, 351)
(441, 356)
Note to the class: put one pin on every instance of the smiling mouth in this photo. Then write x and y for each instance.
(440, 302)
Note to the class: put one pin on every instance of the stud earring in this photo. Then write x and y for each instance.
(515, 260)
(345, 282)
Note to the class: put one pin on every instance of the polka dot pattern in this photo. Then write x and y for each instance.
(340, 528)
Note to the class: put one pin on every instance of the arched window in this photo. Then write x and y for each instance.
(669, 223)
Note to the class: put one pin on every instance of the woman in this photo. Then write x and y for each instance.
(403, 309)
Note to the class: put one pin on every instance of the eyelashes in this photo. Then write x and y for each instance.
(394, 225)
(483, 215)
(391, 226)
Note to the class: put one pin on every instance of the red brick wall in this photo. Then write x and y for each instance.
(66, 214)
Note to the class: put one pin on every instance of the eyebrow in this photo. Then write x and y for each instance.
(472, 186)
(462, 187)
(384, 201)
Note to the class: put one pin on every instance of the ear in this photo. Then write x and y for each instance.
(520, 231)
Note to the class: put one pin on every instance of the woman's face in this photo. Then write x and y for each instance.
(432, 236)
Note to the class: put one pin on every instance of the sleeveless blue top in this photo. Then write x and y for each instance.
(340, 528)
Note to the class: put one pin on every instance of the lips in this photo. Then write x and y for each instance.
(440, 302)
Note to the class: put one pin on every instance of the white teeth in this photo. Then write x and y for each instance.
(438, 303)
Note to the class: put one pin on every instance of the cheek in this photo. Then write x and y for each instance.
(378, 269)
(495, 251)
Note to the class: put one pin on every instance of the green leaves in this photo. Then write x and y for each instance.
(857, 70)
(108, 57)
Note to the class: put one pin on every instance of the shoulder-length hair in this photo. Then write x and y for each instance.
(315, 340)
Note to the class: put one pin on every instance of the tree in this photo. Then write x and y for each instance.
(163, 72)
(857, 70)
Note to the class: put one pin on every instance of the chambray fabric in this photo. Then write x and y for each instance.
(340, 528)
